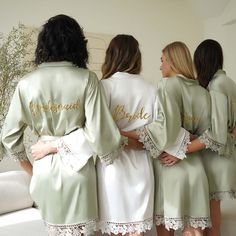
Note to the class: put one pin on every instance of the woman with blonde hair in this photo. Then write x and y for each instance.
(181, 189)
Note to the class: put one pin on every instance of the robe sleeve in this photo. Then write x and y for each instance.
(13, 128)
(100, 130)
(217, 137)
(164, 131)
(230, 146)
(179, 148)
(74, 149)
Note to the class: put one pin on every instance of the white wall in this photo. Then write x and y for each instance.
(154, 23)
(218, 29)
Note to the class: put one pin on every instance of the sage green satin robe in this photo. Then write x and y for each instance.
(220, 159)
(181, 191)
(54, 100)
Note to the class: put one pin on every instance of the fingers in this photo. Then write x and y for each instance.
(129, 134)
(123, 133)
(134, 144)
(163, 155)
(38, 150)
(234, 132)
(193, 136)
(168, 160)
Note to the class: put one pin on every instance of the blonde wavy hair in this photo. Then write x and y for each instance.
(179, 59)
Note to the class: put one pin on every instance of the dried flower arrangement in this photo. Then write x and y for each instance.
(16, 54)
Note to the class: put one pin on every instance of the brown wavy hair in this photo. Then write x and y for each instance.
(122, 55)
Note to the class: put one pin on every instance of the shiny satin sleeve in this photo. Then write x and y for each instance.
(217, 137)
(100, 130)
(13, 128)
(164, 131)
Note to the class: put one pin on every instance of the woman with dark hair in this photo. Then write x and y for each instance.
(220, 158)
(60, 96)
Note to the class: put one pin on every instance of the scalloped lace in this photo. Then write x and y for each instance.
(69, 158)
(110, 157)
(181, 154)
(148, 143)
(29, 139)
(180, 223)
(87, 228)
(19, 156)
(124, 228)
(210, 143)
(223, 195)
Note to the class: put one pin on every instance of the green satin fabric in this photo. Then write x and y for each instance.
(56, 99)
(181, 191)
(223, 111)
(64, 196)
(182, 103)
(221, 169)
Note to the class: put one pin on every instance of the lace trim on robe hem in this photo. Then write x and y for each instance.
(223, 195)
(110, 157)
(87, 228)
(180, 223)
(210, 143)
(18, 156)
(147, 142)
(181, 154)
(124, 228)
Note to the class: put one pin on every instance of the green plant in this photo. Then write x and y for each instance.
(16, 53)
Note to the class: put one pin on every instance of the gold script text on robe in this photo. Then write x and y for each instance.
(119, 113)
(36, 108)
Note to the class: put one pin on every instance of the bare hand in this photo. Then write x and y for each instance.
(40, 150)
(168, 160)
(130, 134)
(134, 144)
(234, 132)
(193, 136)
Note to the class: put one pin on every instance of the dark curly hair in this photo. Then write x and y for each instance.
(62, 39)
(208, 58)
(122, 55)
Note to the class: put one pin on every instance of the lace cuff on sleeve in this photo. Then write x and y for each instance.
(210, 143)
(229, 147)
(19, 156)
(180, 147)
(148, 143)
(76, 155)
(110, 157)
